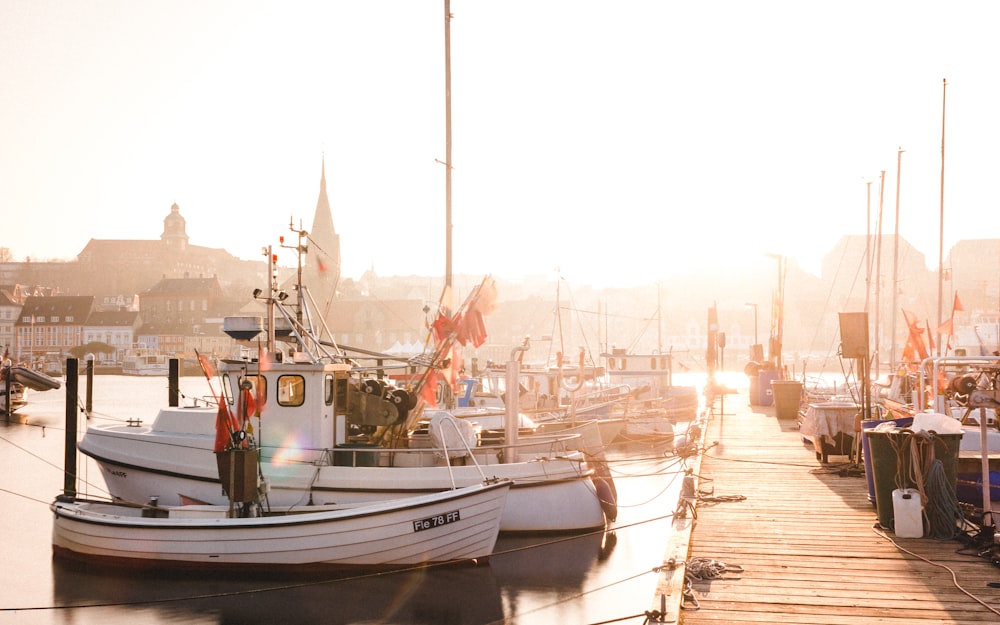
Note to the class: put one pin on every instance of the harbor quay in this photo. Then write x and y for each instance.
(765, 532)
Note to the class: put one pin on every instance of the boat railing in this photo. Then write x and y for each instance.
(532, 447)
(934, 371)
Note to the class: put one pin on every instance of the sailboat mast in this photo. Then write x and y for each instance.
(878, 273)
(659, 322)
(895, 265)
(868, 242)
(944, 90)
(447, 141)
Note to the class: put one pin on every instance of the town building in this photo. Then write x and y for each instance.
(48, 327)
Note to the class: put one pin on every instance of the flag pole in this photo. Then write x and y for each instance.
(944, 93)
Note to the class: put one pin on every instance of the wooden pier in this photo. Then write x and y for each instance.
(805, 536)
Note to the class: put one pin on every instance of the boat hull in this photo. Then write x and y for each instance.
(550, 494)
(448, 526)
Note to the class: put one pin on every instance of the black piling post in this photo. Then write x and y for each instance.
(90, 387)
(173, 383)
(69, 460)
(7, 378)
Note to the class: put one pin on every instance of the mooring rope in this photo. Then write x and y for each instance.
(917, 464)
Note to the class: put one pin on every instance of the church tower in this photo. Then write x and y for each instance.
(174, 237)
(323, 269)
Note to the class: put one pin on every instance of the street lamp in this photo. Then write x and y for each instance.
(754, 306)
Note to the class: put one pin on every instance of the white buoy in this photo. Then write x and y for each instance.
(908, 520)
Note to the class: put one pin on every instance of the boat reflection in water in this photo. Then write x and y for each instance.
(431, 596)
(549, 562)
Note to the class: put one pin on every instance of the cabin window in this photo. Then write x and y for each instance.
(652, 363)
(291, 390)
(226, 389)
(328, 390)
(340, 394)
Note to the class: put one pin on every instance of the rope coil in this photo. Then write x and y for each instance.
(917, 463)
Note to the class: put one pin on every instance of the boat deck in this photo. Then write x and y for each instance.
(804, 536)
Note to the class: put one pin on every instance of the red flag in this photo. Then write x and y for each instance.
(206, 366)
(428, 392)
(957, 306)
(472, 329)
(223, 427)
(947, 327)
(443, 326)
(915, 349)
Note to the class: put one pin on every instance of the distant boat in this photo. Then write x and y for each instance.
(22, 379)
(145, 361)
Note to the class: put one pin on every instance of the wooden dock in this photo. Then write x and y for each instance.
(805, 538)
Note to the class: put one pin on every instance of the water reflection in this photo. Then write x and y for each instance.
(451, 595)
(552, 563)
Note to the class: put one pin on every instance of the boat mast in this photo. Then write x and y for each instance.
(868, 240)
(272, 291)
(895, 266)
(659, 322)
(944, 89)
(878, 273)
(447, 141)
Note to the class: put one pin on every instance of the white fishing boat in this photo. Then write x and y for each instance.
(448, 526)
(145, 361)
(331, 432)
(441, 527)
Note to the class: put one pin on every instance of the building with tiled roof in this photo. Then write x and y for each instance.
(48, 327)
(116, 328)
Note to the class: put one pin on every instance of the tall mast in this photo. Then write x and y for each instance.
(944, 89)
(447, 141)
(895, 265)
(868, 241)
(878, 273)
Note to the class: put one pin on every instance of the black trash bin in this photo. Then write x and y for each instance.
(884, 460)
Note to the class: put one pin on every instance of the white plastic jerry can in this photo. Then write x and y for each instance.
(908, 518)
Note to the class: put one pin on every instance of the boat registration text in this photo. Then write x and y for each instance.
(436, 521)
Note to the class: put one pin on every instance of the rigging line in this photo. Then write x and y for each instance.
(54, 466)
(583, 330)
(584, 593)
(776, 464)
(954, 576)
(227, 594)
(655, 496)
(23, 496)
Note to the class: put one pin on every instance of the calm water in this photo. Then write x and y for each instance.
(581, 579)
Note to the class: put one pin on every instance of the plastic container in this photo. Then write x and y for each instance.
(884, 463)
(787, 397)
(765, 395)
(870, 424)
(907, 516)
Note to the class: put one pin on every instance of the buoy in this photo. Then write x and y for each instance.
(606, 497)
(908, 520)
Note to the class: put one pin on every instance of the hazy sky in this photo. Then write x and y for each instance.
(618, 141)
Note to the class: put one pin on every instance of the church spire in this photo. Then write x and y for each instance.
(324, 247)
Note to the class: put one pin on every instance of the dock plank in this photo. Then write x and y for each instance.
(808, 541)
